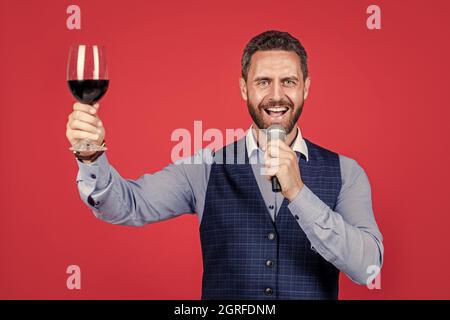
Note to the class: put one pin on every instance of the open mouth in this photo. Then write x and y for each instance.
(276, 111)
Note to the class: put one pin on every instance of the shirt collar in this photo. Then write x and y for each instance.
(298, 145)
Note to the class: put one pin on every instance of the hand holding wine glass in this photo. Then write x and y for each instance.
(83, 124)
(87, 78)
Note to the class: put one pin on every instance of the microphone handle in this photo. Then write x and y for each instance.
(276, 187)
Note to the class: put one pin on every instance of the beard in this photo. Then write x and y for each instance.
(257, 112)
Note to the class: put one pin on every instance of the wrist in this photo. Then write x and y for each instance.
(293, 194)
(89, 157)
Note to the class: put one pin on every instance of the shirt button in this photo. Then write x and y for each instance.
(93, 176)
(271, 236)
(269, 263)
(268, 291)
(271, 207)
(296, 217)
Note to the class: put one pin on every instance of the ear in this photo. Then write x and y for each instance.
(307, 84)
(243, 87)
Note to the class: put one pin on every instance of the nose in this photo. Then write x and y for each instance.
(276, 91)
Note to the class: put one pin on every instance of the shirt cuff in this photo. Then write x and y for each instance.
(96, 174)
(306, 207)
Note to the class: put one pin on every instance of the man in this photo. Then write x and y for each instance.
(256, 243)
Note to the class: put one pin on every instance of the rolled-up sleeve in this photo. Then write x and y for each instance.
(347, 237)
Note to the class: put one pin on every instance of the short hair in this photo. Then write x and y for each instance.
(273, 40)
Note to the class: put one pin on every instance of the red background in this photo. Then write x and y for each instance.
(378, 96)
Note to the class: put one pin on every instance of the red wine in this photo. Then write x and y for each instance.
(88, 91)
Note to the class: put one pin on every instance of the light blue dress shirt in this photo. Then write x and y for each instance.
(347, 237)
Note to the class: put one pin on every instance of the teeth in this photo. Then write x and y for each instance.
(277, 109)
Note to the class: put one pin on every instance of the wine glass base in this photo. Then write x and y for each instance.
(82, 147)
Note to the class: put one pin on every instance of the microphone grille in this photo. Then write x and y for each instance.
(275, 132)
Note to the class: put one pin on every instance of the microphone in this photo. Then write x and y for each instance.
(275, 132)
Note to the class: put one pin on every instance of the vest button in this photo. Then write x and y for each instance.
(269, 263)
(268, 291)
(271, 236)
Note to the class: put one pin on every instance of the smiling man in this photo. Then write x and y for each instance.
(256, 243)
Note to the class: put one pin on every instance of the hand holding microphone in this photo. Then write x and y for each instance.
(281, 164)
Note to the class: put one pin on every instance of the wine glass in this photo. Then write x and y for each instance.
(87, 77)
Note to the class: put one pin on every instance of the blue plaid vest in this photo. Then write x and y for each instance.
(247, 255)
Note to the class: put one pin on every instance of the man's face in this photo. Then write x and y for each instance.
(275, 89)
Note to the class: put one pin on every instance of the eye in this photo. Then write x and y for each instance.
(263, 83)
(289, 82)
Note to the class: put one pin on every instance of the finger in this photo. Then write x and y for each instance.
(272, 151)
(266, 173)
(275, 162)
(280, 143)
(277, 170)
(270, 172)
(79, 134)
(275, 152)
(77, 106)
(84, 126)
(86, 117)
